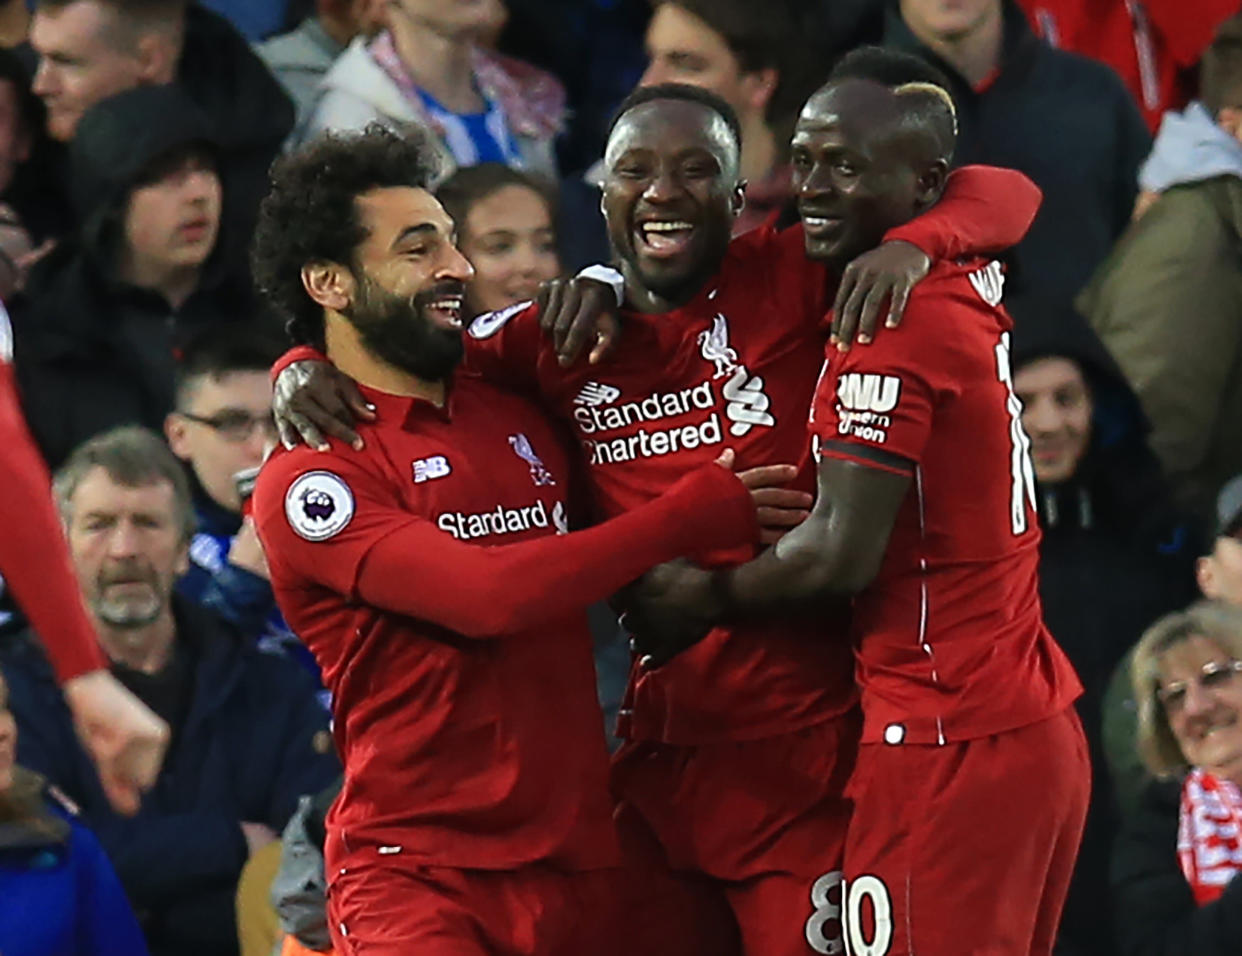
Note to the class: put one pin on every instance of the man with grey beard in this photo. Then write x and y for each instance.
(248, 736)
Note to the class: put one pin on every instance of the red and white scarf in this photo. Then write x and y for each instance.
(1209, 837)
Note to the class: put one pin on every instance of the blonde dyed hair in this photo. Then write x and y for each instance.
(1216, 621)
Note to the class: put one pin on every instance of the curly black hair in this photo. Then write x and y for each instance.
(309, 213)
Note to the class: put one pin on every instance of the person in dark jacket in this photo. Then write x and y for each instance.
(1177, 861)
(1115, 552)
(103, 314)
(1064, 120)
(58, 893)
(248, 735)
(92, 49)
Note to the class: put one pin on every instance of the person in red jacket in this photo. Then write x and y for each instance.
(433, 574)
(124, 738)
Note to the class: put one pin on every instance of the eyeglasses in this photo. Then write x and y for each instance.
(234, 425)
(1214, 676)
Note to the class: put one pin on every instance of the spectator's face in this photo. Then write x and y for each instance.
(1056, 413)
(8, 739)
(173, 218)
(509, 239)
(1202, 699)
(83, 58)
(850, 179)
(681, 48)
(127, 547)
(14, 137)
(1220, 573)
(230, 431)
(948, 19)
(671, 194)
(407, 294)
(452, 18)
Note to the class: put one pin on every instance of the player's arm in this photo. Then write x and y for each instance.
(386, 557)
(984, 209)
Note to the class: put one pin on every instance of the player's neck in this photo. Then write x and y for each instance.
(976, 54)
(347, 352)
(641, 299)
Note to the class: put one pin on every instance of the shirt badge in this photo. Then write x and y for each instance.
(714, 344)
(428, 469)
(597, 393)
(539, 473)
(319, 505)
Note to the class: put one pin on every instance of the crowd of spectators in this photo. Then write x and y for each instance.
(135, 139)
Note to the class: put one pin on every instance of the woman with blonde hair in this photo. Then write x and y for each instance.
(1175, 862)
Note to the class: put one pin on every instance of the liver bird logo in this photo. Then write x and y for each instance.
(715, 347)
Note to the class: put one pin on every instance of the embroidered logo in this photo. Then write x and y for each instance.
(427, 469)
(596, 393)
(539, 473)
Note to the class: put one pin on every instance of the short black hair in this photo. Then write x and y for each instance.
(310, 215)
(1220, 75)
(472, 184)
(927, 97)
(223, 349)
(679, 91)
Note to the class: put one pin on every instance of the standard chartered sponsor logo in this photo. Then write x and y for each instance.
(592, 419)
(499, 521)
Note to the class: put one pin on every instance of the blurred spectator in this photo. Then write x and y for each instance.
(91, 49)
(58, 893)
(222, 428)
(752, 56)
(300, 59)
(1220, 572)
(427, 70)
(1168, 300)
(105, 310)
(14, 23)
(1153, 44)
(505, 227)
(248, 735)
(1176, 861)
(20, 118)
(1114, 555)
(255, 19)
(1064, 120)
(258, 927)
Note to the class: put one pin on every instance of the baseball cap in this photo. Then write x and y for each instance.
(1229, 508)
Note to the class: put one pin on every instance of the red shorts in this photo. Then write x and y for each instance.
(756, 824)
(377, 910)
(965, 849)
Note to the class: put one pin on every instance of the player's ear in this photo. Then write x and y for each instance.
(931, 182)
(738, 198)
(329, 284)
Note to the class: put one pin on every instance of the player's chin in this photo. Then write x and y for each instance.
(827, 249)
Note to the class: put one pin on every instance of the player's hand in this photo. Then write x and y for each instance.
(258, 835)
(778, 508)
(246, 551)
(887, 273)
(577, 311)
(313, 398)
(664, 610)
(125, 739)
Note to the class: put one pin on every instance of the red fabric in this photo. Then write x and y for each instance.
(966, 848)
(1153, 44)
(1209, 839)
(446, 616)
(33, 556)
(952, 643)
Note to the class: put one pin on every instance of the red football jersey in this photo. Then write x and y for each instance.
(950, 635)
(430, 576)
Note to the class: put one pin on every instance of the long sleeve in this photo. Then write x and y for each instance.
(34, 558)
(481, 591)
(983, 209)
(1156, 912)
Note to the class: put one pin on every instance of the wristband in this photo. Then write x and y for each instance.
(608, 276)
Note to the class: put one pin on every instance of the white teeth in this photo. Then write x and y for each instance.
(674, 226)
(815, 222)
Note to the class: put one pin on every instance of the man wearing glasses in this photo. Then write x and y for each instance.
(221, 428)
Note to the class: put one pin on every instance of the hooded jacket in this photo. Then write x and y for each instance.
(92, 351)
(1168, 305)
(58, 893)
(1114, 556)
(254, 739)
(1069, 124)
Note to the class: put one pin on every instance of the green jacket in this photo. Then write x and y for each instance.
(1168, 304)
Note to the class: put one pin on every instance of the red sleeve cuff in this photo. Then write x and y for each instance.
(299, 353)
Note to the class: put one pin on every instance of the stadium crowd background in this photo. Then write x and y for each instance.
(135, 136)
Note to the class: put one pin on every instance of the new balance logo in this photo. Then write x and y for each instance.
(595, 393)
(426, 469)
(989, 282)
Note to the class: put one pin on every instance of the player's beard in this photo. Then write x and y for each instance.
(397, 330)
